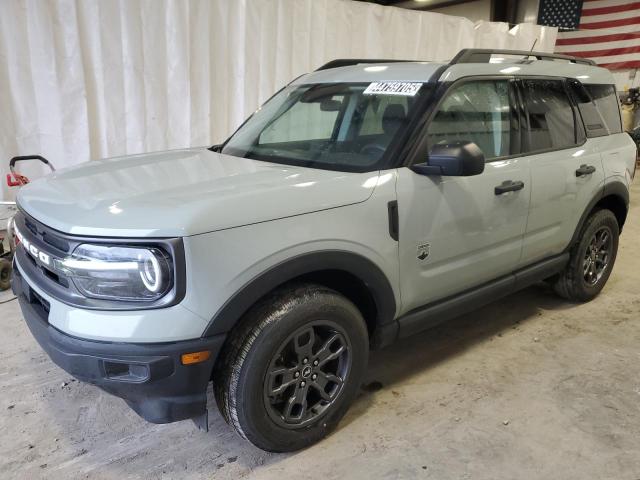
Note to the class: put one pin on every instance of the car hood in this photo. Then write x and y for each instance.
(184, 192)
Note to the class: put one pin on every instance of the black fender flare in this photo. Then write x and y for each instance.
(357, 265)
(615, 188)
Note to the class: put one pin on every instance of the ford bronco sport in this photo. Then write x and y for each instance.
(364, 202)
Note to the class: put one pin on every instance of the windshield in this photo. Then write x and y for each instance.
(336, 126)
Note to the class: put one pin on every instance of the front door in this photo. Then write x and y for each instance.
(460, 232)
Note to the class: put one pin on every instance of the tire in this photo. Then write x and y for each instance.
(5, 274)
(577, 282)
(256, 385)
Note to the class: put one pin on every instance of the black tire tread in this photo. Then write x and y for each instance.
(232, 358)
(567, 284)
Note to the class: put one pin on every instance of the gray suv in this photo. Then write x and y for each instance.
(363, 203)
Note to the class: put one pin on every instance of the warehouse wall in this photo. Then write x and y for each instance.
(88, 79)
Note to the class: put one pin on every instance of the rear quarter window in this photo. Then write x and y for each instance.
(606, 101)
(598, 107)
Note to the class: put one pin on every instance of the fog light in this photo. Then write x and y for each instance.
(195, 357)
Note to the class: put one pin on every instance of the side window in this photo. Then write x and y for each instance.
(592, 119)
(550, 115)
(304, 121)
(606, 101)
(477, 111)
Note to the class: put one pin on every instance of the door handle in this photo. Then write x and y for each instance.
(585, 170)
(509, 186)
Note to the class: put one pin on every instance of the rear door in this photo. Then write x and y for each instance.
(601, 115)
(566, 169)
(459, 232)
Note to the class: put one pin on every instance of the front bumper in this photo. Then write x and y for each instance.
(150, 377)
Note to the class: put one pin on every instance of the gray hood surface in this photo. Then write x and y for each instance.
(182, 193)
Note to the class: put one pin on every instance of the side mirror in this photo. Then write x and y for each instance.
(458, 159)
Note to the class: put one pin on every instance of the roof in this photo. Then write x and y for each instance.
(373, 72)
(468, 62)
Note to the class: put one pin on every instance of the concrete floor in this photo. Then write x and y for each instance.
(530, 387)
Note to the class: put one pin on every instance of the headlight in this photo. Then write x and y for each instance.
(118, 273)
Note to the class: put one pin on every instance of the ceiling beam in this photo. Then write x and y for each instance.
(504, 11)
(428, 5)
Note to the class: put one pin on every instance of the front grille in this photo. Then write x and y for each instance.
(41, 273)
(40, 306)
(46, 235)
(56, 242)
(47, 242)
(59, 279)
(36, 299)
(31, 226)
(31, 260)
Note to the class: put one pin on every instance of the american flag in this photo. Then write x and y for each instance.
(606, 31)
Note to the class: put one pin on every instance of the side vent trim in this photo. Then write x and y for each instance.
(392, 208)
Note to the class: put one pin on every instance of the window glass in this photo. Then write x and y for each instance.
(304, 121)
(606, 100)
(550, 114)
(592, 119)
(336, 126)
(372, 122)
(476, 111)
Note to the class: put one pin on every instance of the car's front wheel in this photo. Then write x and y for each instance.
(592, 258)
(292, 367)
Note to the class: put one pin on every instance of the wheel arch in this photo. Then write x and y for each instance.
(617, 204)
(354, 276)
(614, 196)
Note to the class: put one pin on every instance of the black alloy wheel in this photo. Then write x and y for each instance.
(591, 258)
(597, 255)
(290, 370)
(307, 373)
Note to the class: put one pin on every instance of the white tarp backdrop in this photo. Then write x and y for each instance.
(88, 79)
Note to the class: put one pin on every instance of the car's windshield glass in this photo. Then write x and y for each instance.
(336, 126)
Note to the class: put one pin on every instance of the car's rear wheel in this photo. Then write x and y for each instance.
(592, 258)
(293, 366)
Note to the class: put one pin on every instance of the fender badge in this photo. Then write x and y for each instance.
(423, 251)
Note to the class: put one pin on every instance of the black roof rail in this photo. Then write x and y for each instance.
(483, 55)
(346, 62)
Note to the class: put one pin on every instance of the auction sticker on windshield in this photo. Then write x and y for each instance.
(407, 89)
